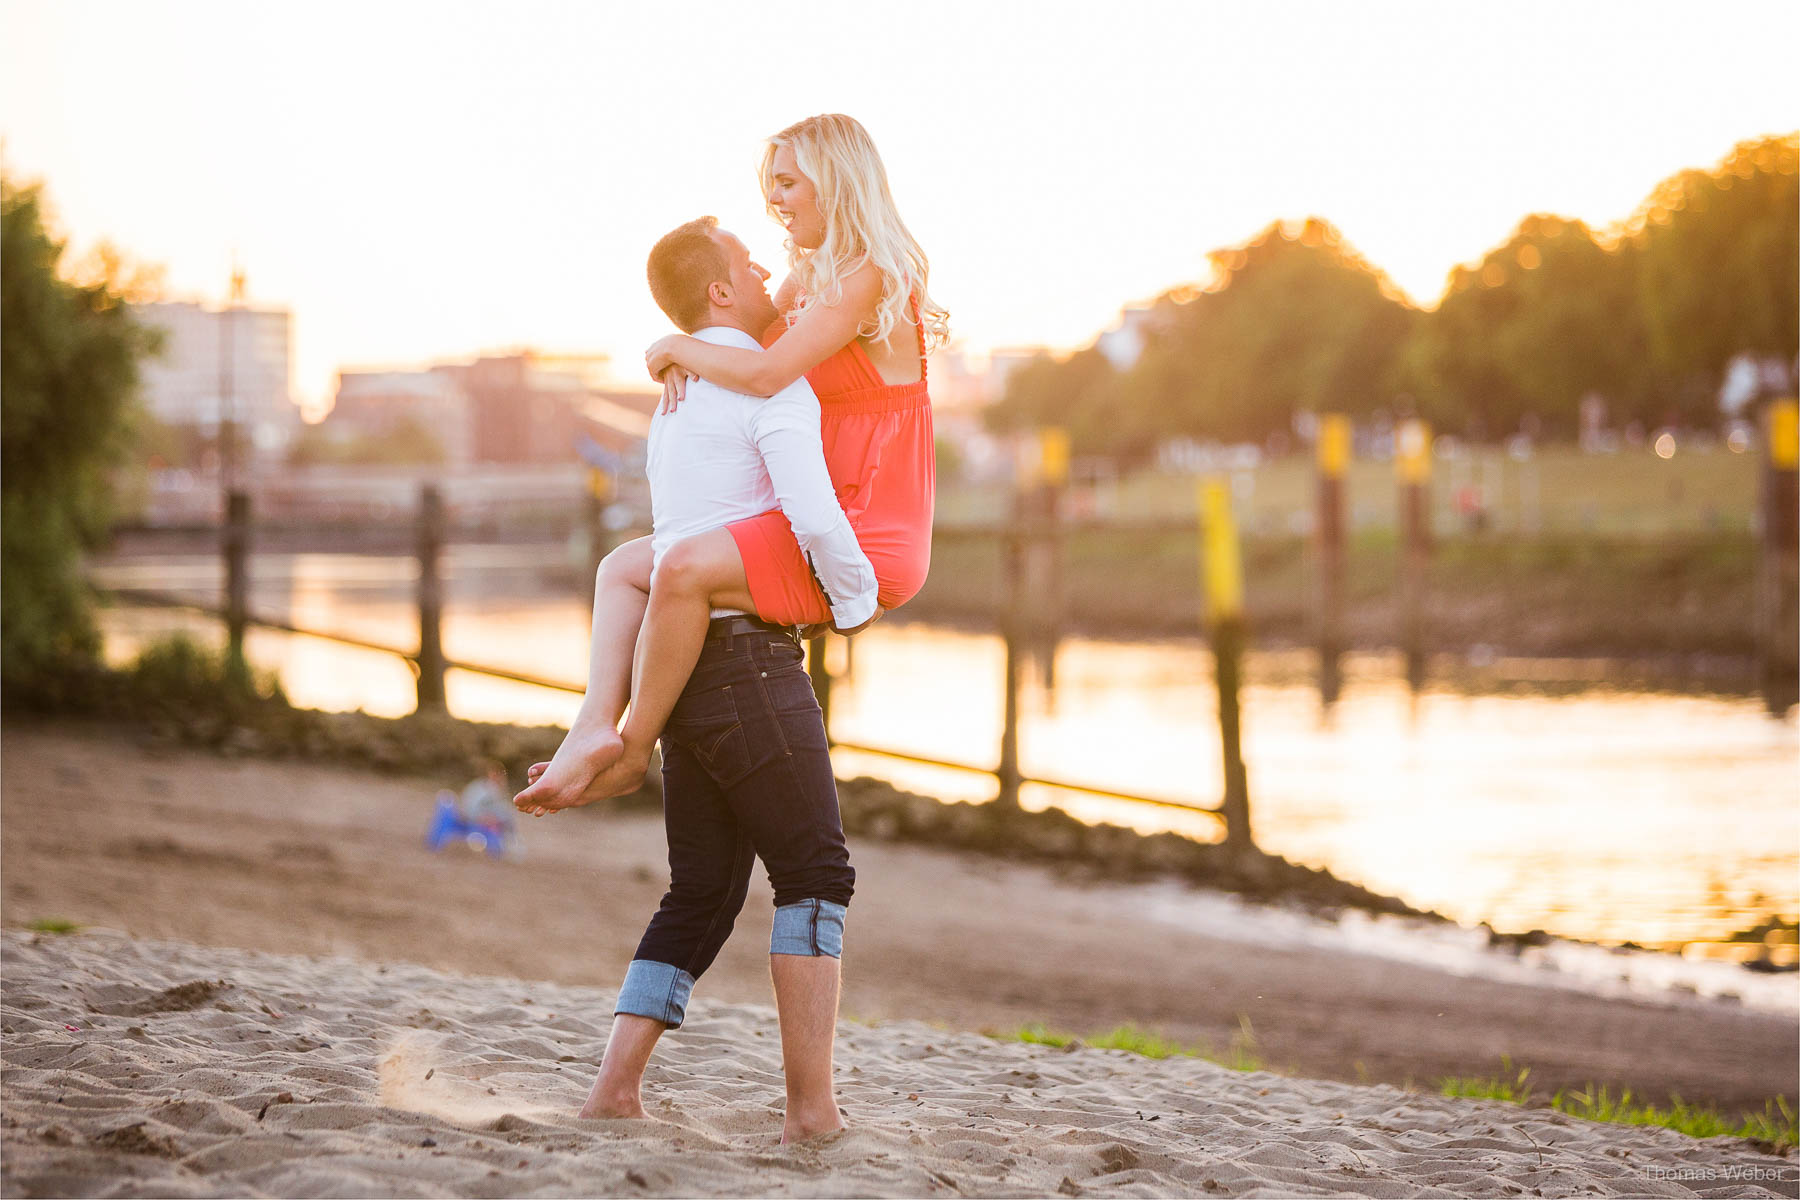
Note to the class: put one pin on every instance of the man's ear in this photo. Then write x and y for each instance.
(719, 292)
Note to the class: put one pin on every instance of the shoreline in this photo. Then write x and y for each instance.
(170, 842)
(205, 715)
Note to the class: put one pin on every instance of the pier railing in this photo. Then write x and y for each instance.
(1032, 600)
(1031, 542)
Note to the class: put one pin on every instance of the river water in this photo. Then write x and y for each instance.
(1589, 810)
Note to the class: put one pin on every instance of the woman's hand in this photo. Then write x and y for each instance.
(674, 383)
(659, 360)
(661, 354)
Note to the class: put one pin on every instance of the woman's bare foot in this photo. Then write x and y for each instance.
(565, 781)
(624, 775)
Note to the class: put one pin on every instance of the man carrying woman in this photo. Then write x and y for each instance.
(746, 768)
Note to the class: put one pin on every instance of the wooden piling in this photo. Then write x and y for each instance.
(236, 547)
(1222, 583)
(599, 537)
(1412, 465)
(1778, 559)
(1041, 512)
(1012, 632)
(431, 695)
(1333, 457)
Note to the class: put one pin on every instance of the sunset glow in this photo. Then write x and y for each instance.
(427, 182)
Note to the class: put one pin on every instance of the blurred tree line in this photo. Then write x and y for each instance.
(69, 352)
(1647, 316)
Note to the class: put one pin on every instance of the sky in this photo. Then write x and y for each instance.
(424, 182)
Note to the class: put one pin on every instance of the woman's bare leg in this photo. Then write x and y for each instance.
(621, 594)
(695, 576)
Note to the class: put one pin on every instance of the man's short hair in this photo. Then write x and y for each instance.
(683, 266)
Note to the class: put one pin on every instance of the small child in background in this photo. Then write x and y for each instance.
(488, 800)
(486, 806)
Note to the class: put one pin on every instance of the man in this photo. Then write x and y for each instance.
(746, 771)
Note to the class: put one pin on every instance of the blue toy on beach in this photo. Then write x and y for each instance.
(449, 825)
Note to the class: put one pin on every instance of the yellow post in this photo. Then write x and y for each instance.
(1784, 434)
(1222, 581)
(1041, 505)
(1053, 456)
(1333, 452)
(599, 538)
(1333, 444)
(1412, 451)
(1222, 571)
(1412, 462)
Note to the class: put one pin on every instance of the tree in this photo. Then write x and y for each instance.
(1075, 393)
(1540, 322)
(69, 352)
(1719, 266)
(1296, 321)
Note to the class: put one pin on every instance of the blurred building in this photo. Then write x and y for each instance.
(619, 421)
(959, 380)
(502, 408)
(1003, 362)
(377, 405)
(528, 407)
(1124, 342)
(219, 363)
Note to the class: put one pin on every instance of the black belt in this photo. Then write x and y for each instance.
(737, 626)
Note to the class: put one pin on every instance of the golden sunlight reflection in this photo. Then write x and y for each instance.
(1603, 814)
(1583, 812)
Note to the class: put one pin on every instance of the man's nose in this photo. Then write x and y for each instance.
(760, 270)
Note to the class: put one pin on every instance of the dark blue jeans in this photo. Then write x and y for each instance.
(746, 773)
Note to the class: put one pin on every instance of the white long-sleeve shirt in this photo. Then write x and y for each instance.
(722, 456)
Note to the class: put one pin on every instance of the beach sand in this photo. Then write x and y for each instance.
(223, 856)
(156, 1068)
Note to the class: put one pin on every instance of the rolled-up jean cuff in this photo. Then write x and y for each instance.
(657, 990)
(809, 927)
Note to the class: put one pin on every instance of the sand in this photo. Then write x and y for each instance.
(138, 1067)
(314, 859)
(396, 976)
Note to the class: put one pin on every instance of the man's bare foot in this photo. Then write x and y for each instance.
(614, 1108)
(565, 781)
(802, 1123)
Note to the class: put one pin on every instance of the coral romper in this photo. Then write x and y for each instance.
(882, 459)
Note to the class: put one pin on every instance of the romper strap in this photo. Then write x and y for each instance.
(919, 325)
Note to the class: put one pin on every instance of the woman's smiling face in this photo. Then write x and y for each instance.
(795, 201)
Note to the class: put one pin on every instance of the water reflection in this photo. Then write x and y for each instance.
(1595, 812)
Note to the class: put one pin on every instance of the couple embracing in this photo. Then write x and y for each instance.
(792, 477)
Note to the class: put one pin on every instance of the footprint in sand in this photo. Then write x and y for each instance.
(418, 1075)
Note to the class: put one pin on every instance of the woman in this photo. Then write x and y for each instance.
(858, 323)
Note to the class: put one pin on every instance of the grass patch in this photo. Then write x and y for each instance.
(1240, 1055)
(1775, 1128)
(53, 925)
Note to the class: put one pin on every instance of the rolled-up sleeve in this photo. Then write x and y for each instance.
(787, 436)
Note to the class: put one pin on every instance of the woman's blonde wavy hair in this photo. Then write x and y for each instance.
(861, 226)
